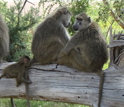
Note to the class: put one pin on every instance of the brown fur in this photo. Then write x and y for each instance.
(17, 70)
(4, 38)
(88, 48)
(51, 36)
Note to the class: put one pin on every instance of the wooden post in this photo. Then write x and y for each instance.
(111, 48)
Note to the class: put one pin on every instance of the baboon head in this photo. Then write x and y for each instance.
(24, 60)
(64, 16)
(82, 21)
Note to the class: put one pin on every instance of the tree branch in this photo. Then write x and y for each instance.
(22, 7)
(116, 18)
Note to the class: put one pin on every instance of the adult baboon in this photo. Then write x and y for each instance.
(4, 39)
(51, 36)
(87, 50)
(91, 48)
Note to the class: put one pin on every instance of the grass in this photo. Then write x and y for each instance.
(5, 102)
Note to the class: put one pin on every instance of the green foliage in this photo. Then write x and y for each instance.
(18, 26)
(103, 12)
(76, 7)
(115, 5)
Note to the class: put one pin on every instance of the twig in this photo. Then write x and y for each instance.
(22, 7)
(30, 2)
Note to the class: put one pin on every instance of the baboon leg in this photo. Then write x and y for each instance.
(101, 74)
(78, 62)
(20, 78)
(73, 60)
(2, 76)
(18, 82)
(65, 60)
(51, 55)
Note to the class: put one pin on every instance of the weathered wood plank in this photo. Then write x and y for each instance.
(59, 83)
(115, 43)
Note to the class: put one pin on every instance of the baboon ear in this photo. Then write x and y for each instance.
(89, 19)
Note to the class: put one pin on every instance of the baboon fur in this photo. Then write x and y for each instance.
(4, 38)
(51, 36)
(17, 70)
(87, 49)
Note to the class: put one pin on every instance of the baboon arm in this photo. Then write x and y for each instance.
(21, 78)
(63, 37)
(72, 44)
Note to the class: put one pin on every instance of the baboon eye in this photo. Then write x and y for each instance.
(79, 19)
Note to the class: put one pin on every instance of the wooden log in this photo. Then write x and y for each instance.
(115, 43)
(62, 84)
(111, 48)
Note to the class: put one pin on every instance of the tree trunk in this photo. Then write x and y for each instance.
(62, 84)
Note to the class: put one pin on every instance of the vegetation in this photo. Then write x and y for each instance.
(105, 12)
(19, 25)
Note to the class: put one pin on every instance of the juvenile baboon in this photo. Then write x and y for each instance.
(87, 50)
(4, 39)
(17, 71)
(51, 36)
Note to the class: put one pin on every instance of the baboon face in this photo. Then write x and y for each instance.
(82, 21)
(24, 60)
(66, 18)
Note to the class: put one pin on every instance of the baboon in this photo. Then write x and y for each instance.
(87, 49)
(17, 71)
(4, 39)
(51, 36)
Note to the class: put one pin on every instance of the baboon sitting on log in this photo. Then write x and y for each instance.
(4, 39)
(87, 50)
(88, 46)
(51, 36)
(17, 70)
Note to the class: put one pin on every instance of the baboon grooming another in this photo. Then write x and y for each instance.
(4, 39)
(51, 36)
(91, 48)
